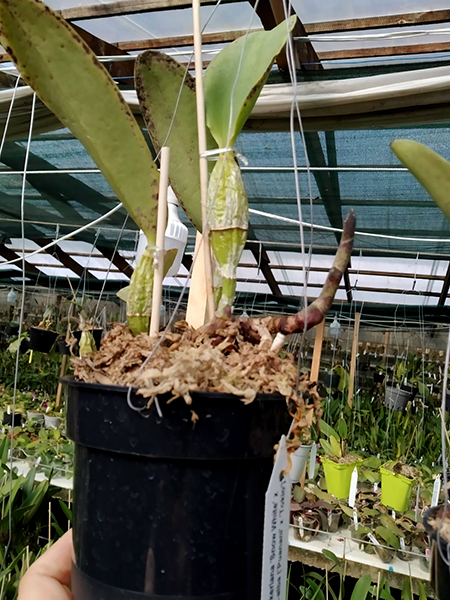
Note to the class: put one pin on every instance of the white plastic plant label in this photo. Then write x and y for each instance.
(276, 529)
(375, 487)
(393, 515)
(416, 510)
(312, 461)
(355, 518)
(373, 539)
(402, 543)
(300, 527)
(436, 491)
(353, 487)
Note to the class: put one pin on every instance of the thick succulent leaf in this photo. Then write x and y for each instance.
(228, 101)
(327, 447)
(159, 80)
(336, 447)
(430, 169)
(67, 77)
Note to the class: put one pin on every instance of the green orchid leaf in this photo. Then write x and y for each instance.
(389, 523)
(328, 430)
(235, 78)
(336, 447)
(388, 536)
(164, 87)
(346, 510)
(430, 169)
(342, 428)
(67, 77)
(327, 447)
(361, 588)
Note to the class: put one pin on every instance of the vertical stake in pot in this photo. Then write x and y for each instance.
(64, 358)
(160, 233)
(201, 124)
(351, 386)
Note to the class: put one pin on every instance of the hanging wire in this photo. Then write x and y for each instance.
(21, 316)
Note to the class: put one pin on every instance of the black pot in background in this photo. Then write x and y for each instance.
(329, 379)
(163, 509)
(379, 377)
(96, 333)
(440, 571)
(8, 420)
(62, 346)
(12, 329)
(25, 345)
(42, 340)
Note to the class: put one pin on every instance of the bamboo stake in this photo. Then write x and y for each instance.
(351, 386)
(196, 313)
(317, 353)
(158, 275)
(378, 585)
(49, 522)
(201, 125)
(63, 369)
(386, 345)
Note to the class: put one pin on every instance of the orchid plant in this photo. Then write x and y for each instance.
(69, 79)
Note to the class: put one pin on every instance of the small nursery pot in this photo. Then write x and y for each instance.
(42, 340)
(35, 415)
(338, 477)
(8, 419)
(52, 422)
(397, 398)
(395, 490)
(310, 522)
(163, 509)
(440, 572)
(299, 459)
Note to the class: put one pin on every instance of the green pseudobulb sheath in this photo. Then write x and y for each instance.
(228, 214)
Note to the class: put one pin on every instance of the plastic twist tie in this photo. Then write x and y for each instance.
(212, 154)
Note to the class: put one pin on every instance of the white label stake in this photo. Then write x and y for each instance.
(312, 461)
(416, 512)
(353, 486)
(436, 491)
(276, 529)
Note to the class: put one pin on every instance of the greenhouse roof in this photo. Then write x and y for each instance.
(349, 165)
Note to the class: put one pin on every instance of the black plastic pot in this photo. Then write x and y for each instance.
(378, 377)
(397, 398)
(62, 346)
(96, 333)
(12, 328)
(12, 420)
(42, 340)
(440, 571)
(163, 509)
(329, 379)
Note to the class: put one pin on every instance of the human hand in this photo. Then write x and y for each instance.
(49, 577)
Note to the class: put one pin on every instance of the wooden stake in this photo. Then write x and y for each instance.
(49, 522)
(351, 386)
(196, 313)
(317, 351)
(160, 233)
(63, 369)
(201, 126)
(386, 345)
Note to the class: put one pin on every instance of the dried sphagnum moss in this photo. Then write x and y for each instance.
(229, 361)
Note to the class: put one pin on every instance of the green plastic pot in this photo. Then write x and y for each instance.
(395, 490)
(338, 477)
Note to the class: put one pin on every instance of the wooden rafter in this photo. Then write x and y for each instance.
(324, 27)
(263, 262)
(65, 259)
(117, 260)
(385, 51)
(271, 13)
(127, 7)
(9, 254)
(445, 287)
